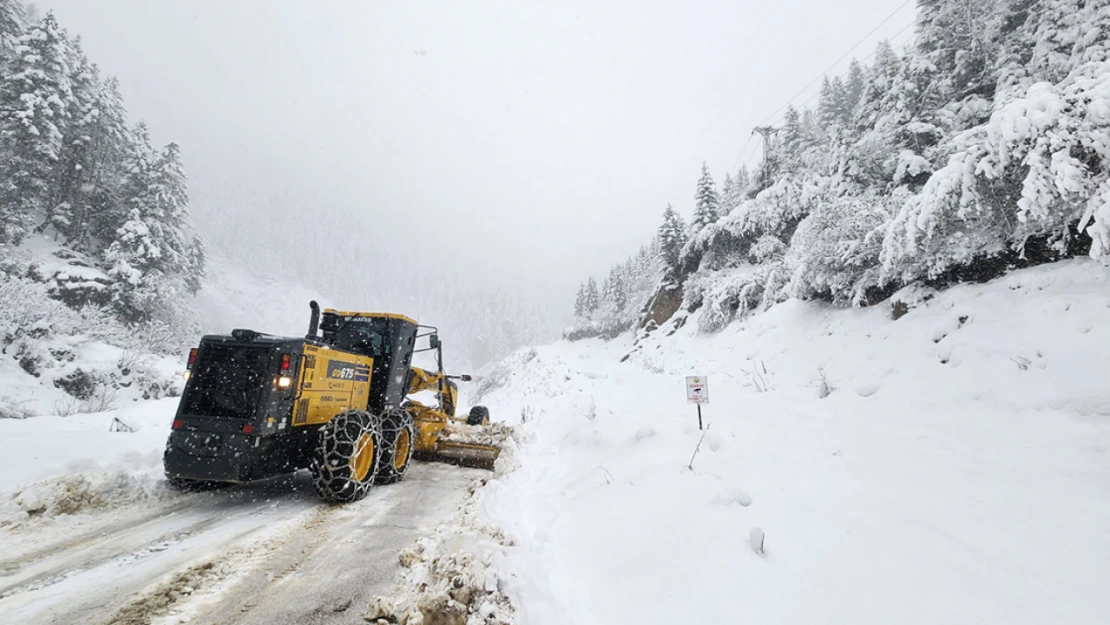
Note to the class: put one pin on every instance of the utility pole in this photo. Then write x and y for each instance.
(768, 134)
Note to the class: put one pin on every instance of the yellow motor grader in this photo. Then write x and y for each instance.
(335, 402)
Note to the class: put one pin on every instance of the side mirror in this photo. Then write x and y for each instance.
(465, 378)
(433, 341)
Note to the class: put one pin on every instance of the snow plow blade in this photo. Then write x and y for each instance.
(463, 454)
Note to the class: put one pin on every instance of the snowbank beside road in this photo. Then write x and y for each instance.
(43, 447)
(66, 465)
(950, 466)
(453, 576)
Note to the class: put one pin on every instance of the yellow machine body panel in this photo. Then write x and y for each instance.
(429, 423)
(351, 314)
(446, 391)
(331, 381)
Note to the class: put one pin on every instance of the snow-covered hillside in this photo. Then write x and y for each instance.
(77, 373)
(61, 360)
(949, 466)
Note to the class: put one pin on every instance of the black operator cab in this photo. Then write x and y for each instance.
(387, 338)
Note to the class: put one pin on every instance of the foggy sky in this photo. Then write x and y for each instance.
(510, 139)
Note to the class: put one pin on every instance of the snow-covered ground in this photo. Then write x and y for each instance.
(951, 466)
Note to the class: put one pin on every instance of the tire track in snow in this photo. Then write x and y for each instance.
(83, 539)
(84, 582)
(42, 575)
(203, 583)
(258, 554)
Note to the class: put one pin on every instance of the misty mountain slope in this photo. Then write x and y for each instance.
(949, 466)
(236, 298)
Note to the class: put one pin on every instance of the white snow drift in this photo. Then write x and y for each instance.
(951, 466)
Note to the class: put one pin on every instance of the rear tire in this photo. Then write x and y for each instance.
(345, 461)
(398, 444)
(479, 415)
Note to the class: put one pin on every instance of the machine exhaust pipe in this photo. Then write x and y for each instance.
(313, 320)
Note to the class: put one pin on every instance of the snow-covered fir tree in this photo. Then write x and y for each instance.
(672, 238)
(741, 185)
(591, 299)
(707, 204)
(616, 291)
(154, 250)
(580, 301)
(13, 21)
(35, 103)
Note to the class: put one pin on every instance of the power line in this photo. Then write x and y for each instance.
(747, 160)
(836, 62)
(863, 60)
(830, 68)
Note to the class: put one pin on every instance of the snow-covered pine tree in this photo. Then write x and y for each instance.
(109, 147)
(871, 159)
(672, 238)
(13, 21)
(853, 87)
(580, 301)
(195, 267)
(734, 191)
(1015, 45)
(1065, 34)
(618, 287)
(35, 100)
(707, 204)
(742, 183)
(185, 246)
(791, 141)
(833, 110)
(69, 206)
(728, 192)
(877, 85)
(154, 253)
(955, 47)
(593, 298)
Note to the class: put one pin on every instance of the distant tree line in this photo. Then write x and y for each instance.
(616, 305)
(74, 173)
(983, 147)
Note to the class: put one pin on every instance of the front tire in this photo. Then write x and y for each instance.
(398, 441)
(479, 415)
(345, 461)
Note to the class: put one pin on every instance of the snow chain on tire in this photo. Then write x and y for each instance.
(347, 456)
(398, 445)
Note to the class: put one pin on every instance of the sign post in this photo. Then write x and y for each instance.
(697, 392)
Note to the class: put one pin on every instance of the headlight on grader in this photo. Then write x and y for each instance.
(285, 381)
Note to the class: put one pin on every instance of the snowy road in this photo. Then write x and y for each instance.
(262, 553)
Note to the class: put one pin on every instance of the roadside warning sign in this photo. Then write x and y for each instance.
(697, 389)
